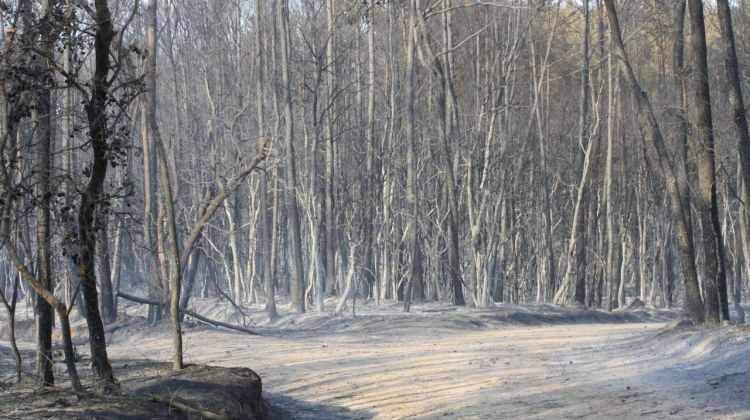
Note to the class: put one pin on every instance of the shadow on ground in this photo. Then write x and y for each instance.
(282, 407)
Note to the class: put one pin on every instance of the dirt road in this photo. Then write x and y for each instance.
(421, 368)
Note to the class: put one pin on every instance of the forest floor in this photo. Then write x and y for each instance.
(534, 361)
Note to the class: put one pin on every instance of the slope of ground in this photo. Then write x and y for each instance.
(542, 362)
(530, 362)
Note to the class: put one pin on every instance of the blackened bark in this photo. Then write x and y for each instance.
(739, 115)
(40, 115)
(96, 110)
(657, 148)
(715, 286)
(44, 318)
(681, 127)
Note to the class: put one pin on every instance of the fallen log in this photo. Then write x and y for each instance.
(139, 299)
(218, 323)
(194, 314)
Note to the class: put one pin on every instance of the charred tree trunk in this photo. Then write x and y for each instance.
(92, 197)
(715, 286)
(657, 149)
(41, 108)
(681, 126)
(737, 101)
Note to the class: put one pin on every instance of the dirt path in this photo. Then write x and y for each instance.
(417, 369)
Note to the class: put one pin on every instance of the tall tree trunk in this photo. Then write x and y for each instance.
(679, 80)
(155, 292)
(445, 100)
(315, 214)
(68, 148)
(609, 269)
(715, 286)
(371, 187)
(549, 250)
(266, 214)
(576, 251)
(104, 380)
(10, 307)
(41, 115)
(579, 222)
(415, 275)
(658, 150)
(744, 234)
(330, 162)
(295, 252)
(737, 101)
(175, 278)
